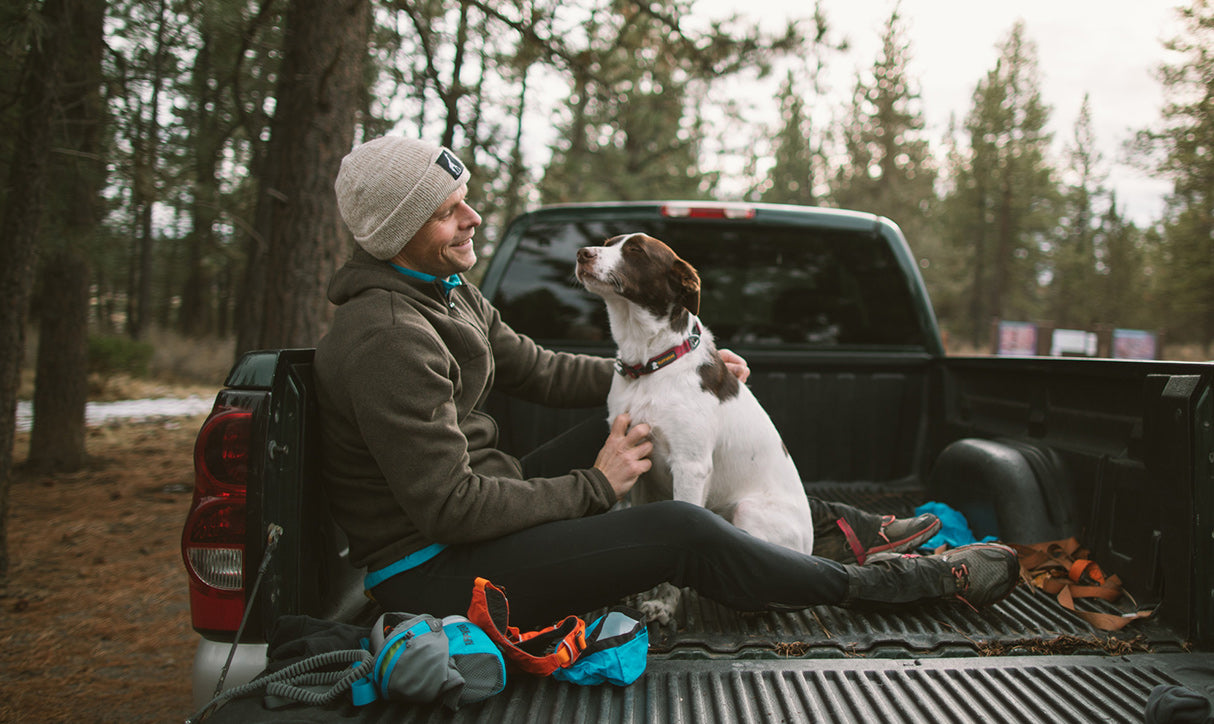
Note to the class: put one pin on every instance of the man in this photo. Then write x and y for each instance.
(414, 477)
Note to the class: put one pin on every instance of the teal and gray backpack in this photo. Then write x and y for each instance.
(405, 657)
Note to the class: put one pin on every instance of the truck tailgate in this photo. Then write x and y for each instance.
(1015, 689)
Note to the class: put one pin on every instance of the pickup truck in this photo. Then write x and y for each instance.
(830, 311)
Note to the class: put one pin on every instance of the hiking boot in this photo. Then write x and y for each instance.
(850, 535)
(901, 535)
(978, 574)
(982, 573)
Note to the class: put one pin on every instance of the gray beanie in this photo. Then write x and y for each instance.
(389, 187)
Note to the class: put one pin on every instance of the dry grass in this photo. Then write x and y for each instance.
(179, 367)
(94, 621)
(189, 360)
(1066, 644)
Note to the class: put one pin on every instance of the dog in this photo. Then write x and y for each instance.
(714, 445)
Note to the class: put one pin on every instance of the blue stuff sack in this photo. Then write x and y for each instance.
(617, 648)
(954, 528)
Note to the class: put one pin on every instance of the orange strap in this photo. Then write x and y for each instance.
(1083, 566)
(537, 652)
(1063, 569)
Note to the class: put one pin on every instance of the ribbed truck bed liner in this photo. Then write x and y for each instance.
(1017, 690)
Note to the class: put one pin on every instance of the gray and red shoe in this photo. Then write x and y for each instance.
(894, 537)
(978, 574)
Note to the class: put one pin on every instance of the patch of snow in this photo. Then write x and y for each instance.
(97, 413)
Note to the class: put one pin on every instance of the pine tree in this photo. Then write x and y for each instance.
(223, 95)
(1122, 293)
(633, 129)
(889, 168)
(1072, 289)
(300, 239)
(41, 87)
(1001, 206)
(1185, 148)
(629, 136)
(791, 180)
(62, 300)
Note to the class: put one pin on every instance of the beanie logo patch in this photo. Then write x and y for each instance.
(450, 164)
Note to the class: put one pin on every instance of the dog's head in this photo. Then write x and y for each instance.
(641, 270)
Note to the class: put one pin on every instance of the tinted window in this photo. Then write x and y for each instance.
(761, 285)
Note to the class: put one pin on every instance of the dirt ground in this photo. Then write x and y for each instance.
(94, 622)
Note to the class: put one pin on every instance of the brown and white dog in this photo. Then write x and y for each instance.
(714, 445)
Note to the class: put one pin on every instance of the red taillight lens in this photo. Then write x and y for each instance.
(221, 453)
(687, 211)
(213, 540)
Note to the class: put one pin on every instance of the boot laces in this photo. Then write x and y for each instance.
(961, 578)
(962, 575)
(885, 522)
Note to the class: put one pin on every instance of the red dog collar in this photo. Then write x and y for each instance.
(656, 363)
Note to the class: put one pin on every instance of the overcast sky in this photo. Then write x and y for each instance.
(1109, 49)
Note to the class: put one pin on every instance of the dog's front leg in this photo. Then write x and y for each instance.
(690, 478)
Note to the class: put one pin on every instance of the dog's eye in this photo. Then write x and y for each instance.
(633, 249)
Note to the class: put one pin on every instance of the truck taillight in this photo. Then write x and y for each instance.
(690, 211)
(213, 541)
(221, 453)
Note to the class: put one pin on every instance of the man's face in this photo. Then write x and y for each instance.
(443, 246)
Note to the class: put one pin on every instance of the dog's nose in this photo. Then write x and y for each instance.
(585, 254)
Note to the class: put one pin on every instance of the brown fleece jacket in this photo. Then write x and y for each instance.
(409, 459)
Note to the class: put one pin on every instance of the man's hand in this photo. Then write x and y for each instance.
(625, 455)
(736, 365)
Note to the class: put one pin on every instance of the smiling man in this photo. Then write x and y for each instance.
(413, 474)
(410, 461)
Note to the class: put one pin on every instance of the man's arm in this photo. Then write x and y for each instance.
(557, 379)
(413, 432)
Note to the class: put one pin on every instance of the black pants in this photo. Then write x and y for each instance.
(575, 566)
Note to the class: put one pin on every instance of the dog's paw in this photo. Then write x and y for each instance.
(660, 603)
(660, 611)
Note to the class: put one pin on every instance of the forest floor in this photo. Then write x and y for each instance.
(94, 620)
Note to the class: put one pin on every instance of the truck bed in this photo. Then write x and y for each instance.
(1025, 659)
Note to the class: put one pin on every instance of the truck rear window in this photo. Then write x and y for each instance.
(765, 286)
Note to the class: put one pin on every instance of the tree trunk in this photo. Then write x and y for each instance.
(514, 183)
(197, 314)
(142, 291)
(146, 185)
(455, 90)
(21, 217)
(297, 222)
(979, 316)
(61, 381)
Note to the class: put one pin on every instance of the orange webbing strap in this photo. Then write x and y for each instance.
(1062, 569)
(537, 652)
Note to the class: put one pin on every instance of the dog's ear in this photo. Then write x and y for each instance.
(686, 283)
